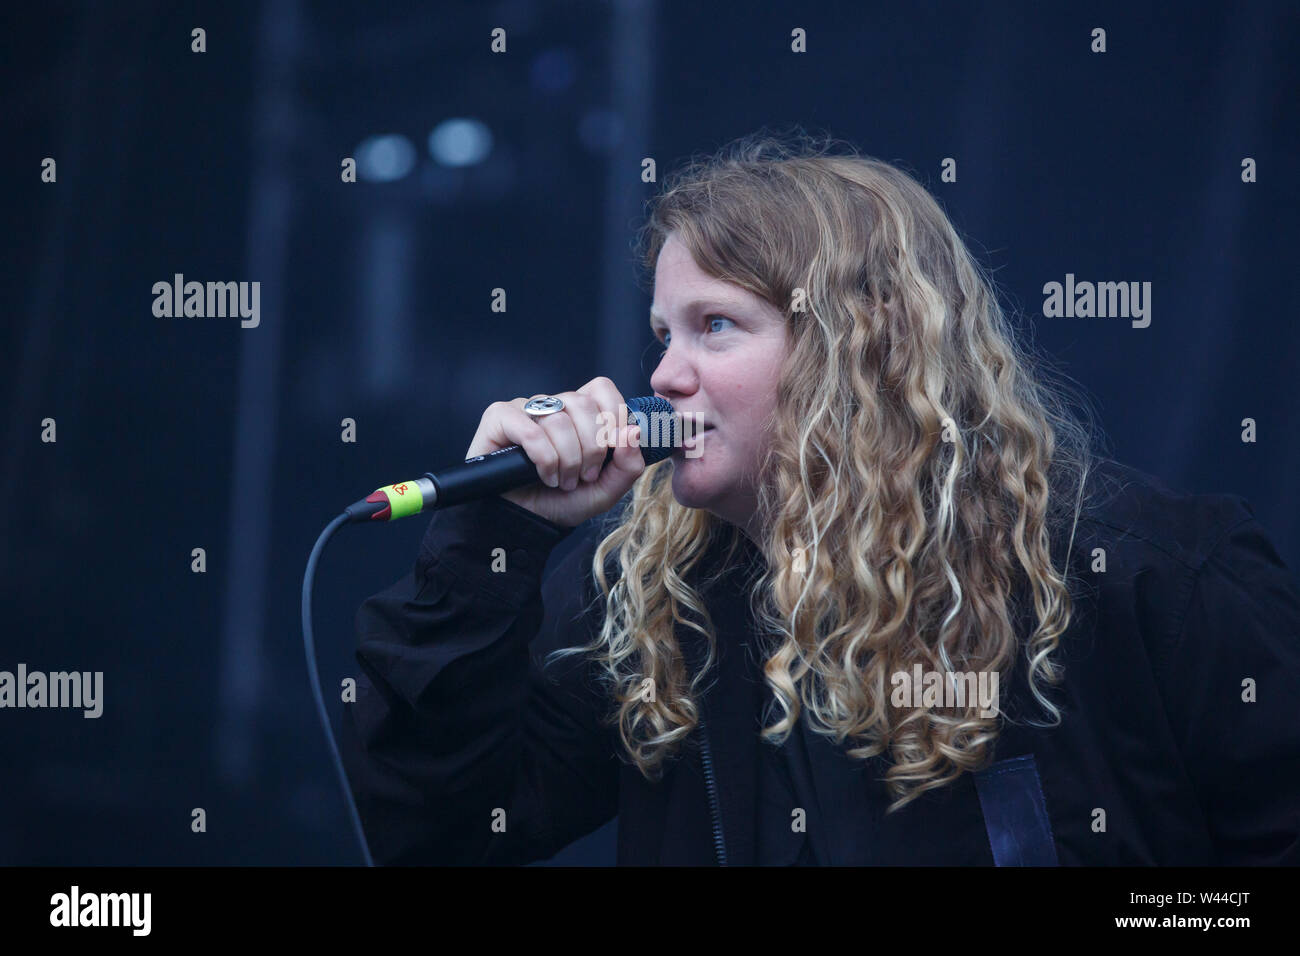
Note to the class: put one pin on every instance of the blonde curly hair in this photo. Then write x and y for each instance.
(918, 468)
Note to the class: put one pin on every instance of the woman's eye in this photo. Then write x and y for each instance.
(668, 336)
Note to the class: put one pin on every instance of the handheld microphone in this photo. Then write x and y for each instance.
(506, 469)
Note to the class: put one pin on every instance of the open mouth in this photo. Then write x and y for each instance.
(691, 441)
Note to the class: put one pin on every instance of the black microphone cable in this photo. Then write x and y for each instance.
(309, 645)
(661, 431)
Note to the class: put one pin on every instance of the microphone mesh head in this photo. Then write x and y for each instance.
(659, 424)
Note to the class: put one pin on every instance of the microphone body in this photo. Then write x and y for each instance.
(506, 469)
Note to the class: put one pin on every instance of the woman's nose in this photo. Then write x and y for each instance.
(674, 374)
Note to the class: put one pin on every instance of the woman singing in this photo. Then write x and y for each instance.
(892, 606)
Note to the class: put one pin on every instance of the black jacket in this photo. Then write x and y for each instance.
(1159, 760)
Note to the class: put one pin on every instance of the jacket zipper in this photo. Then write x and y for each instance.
(706, 755)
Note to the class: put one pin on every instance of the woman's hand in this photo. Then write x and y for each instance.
(569, 449)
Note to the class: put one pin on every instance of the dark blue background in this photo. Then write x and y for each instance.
(183, 433)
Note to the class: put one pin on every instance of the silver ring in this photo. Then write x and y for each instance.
(543, 405)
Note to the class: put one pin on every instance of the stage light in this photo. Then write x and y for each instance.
(382, 159)
(460, 142)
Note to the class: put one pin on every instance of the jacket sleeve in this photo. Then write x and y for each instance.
(459, 748)
(1241, 639)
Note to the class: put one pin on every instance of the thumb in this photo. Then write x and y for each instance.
(626, 464)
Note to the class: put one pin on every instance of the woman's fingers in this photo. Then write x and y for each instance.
(583, 412)
(580, 448)
(520, 428)
(608, 401)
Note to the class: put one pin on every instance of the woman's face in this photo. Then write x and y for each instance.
(724, 349)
